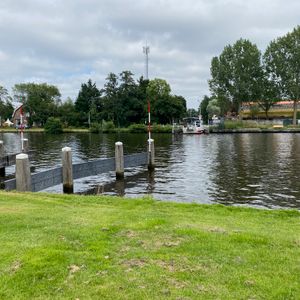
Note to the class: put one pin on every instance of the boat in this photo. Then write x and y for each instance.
(193, 125)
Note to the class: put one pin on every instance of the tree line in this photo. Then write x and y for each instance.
(242, 73)
(122, 101)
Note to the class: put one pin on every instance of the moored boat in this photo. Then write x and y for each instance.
(193, 125)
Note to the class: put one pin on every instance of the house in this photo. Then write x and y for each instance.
(280, 110)
(16, 116)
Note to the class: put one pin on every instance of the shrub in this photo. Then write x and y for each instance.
(161, 128)
(95, 128)
(137, 128)
(108, 127)
(233, 124)
(53, 125)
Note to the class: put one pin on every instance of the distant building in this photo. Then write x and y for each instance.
(280, 110)
(16, 116)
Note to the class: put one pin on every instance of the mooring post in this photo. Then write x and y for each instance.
(23, 176)
(67, 170)
(119, 159)
(25, 146)
(2, 168)
(151, 154)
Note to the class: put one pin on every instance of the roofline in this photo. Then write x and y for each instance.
(15, 110)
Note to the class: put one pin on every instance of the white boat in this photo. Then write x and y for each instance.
(193, 125)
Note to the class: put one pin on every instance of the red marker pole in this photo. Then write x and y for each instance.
(149, 122)
(22, 127)
(150, 143)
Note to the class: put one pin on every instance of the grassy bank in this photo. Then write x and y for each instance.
(134, 128)
(89, 247)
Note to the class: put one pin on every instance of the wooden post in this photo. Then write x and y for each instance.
(2, 169)
(23, 176)
(119, 159)
(151, 154)
(25, 146)
(67, 170)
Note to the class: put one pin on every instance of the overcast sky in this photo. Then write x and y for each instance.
(66, 42)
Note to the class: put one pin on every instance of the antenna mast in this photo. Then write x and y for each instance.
(146, 51)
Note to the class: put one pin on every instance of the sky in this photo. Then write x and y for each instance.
(67, 42)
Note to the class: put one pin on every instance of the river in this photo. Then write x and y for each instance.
(258, 170)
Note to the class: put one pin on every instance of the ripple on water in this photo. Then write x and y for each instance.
(255, 170)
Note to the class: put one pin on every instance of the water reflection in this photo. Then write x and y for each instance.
(238, 169)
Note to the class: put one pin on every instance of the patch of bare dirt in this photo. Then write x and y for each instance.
(217, 230)
(15, 266)
(73, 269)
(134, 263)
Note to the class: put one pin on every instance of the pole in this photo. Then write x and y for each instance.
(2, 169)
(22, 135)
(67, 170)
(149, 121)
(150, 142)
(119, 160)
(151, 156)
(146, 50)
(23, 177)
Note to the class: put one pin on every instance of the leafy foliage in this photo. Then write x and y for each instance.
(213, 108)
(165, 107)
(88, 103)
(137, 128)
(108, 126)
(236, 75)
(53, 125)
(40, 100)
(282, 59)
(203, 108)
(6, 108)
(67, 113)
(95, 128)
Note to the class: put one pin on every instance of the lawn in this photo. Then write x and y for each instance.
(99, 247)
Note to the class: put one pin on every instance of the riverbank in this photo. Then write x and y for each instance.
(135, 128)
(256, 130)
(91, 247)
(165, 129)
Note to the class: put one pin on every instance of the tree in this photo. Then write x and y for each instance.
(282, 59)
(40, 100)
(6, 108)
(88, 102)
(254, 110)
(268, 95)
(203, 109)
(110, 97)
(158, 88)
(128, 99)
(236, 74)
(158, 93)
(191, 112)
(53, 125)
(213, 108)
(67, 113)
(169, 108)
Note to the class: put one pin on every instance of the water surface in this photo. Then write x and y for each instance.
(260, 170)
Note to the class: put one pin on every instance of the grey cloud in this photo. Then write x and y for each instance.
(67, 42)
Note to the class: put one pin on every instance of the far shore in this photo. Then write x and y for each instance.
(126, 130)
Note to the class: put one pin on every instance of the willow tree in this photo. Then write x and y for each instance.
(282, 60)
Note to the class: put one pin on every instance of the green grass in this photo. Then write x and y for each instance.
(92, 247)
(244, 124)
